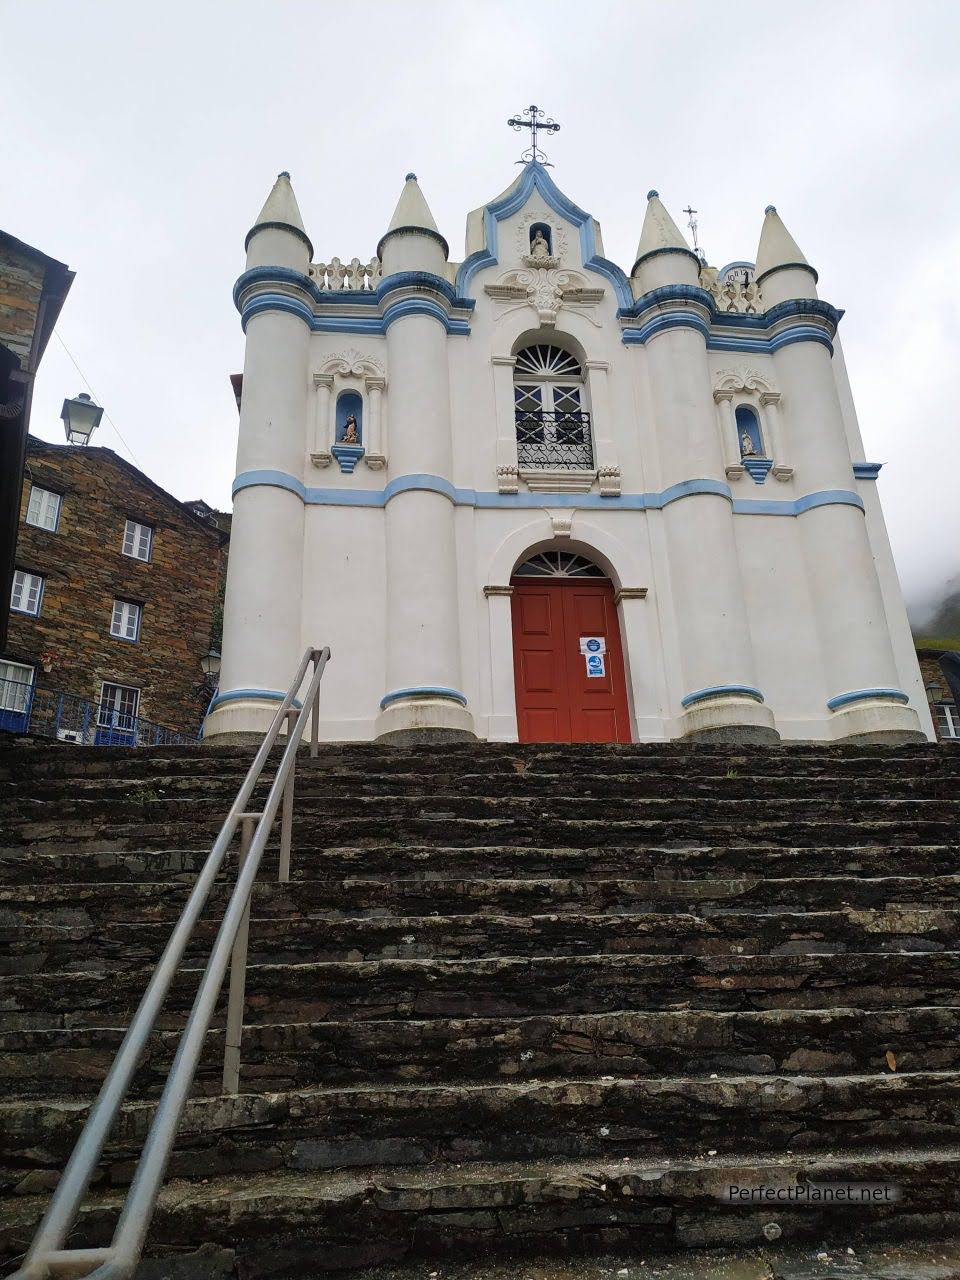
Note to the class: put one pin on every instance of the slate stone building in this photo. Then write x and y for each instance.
(33, 288)
(115, 590)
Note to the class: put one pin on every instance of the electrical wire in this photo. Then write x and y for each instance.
(86, 382)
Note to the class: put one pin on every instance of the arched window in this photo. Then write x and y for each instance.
(553, 431)
(558, 564)
(748, 433)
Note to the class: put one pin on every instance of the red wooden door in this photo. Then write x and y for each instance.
(557, 701)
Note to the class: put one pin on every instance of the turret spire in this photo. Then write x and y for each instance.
(412, 217)
(661, 236)
(280, 213)
(778, 252)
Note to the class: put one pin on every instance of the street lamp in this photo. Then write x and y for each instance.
(210, 665)
(934, 691)
(81, 417)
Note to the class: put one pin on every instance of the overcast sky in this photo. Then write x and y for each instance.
(139, 143)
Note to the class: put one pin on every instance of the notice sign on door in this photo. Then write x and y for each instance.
(593, 648)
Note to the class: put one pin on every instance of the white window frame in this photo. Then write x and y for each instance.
(12, 698)
(43, 503)
(24, 580)
(111, 707)
(948, 720)
(134, 532)
(123, 612)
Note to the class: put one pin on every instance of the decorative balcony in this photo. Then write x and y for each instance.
(554, 441)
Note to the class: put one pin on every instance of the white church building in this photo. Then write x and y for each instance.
(534, 496)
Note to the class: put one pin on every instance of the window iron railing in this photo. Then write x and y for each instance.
(548, 441)
(48, 1255)
(51, 713)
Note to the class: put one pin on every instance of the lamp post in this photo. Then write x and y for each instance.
(81, 417)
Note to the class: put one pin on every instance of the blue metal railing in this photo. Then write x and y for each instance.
(51, 713)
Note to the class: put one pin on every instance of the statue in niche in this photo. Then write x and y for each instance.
(539, 248)
(350, 433)
(746, 446)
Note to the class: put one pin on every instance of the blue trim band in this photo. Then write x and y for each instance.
(262, 695)
(351, 324)
(722, 691)
(867, 470)
(537, 501)
(864, 695)
(695, 308)
(386, 312)
(423, 691)
(420, 280)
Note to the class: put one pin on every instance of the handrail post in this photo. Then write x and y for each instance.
(286, 820)
(238, 973)
(315, 713)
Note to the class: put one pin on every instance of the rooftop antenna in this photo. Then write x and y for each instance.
(692, 224)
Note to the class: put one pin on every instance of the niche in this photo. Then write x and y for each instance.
(349, 422)
(748, 432)
(544, 230)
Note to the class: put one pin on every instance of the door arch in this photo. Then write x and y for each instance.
(567, 652)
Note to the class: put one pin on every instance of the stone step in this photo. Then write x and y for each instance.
(160, 791)
(510, 987)
(338, 1127)
(80, 903)
(684, 862)
(96, 947)
(34, 817)
(440, 830)
(277, 1056)
(279, 1224)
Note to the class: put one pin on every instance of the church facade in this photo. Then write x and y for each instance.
(532, 496)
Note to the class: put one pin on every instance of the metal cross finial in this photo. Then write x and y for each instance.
(533, 119)
(694, 228)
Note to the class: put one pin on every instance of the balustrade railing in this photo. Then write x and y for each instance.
(51, 713)
(353, 275)
(548, 441)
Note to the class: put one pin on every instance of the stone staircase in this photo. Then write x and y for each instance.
(515, 1001)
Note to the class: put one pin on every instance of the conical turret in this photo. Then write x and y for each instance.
(412, 241)
(278, 237)
(782, 270)
(663, 255)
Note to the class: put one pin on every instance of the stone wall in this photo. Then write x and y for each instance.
(85, 570)
(21, 286)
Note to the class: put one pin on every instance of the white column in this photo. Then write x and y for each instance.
(262, 642)
(503, 714)
(716, 654)
(601, 417)
(770, 403)
(508, 480)
(733, 467)
(373, 435)
(424, 687)
(323, 385)
(851, 620)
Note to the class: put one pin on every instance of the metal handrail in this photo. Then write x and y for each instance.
(47, 1255)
